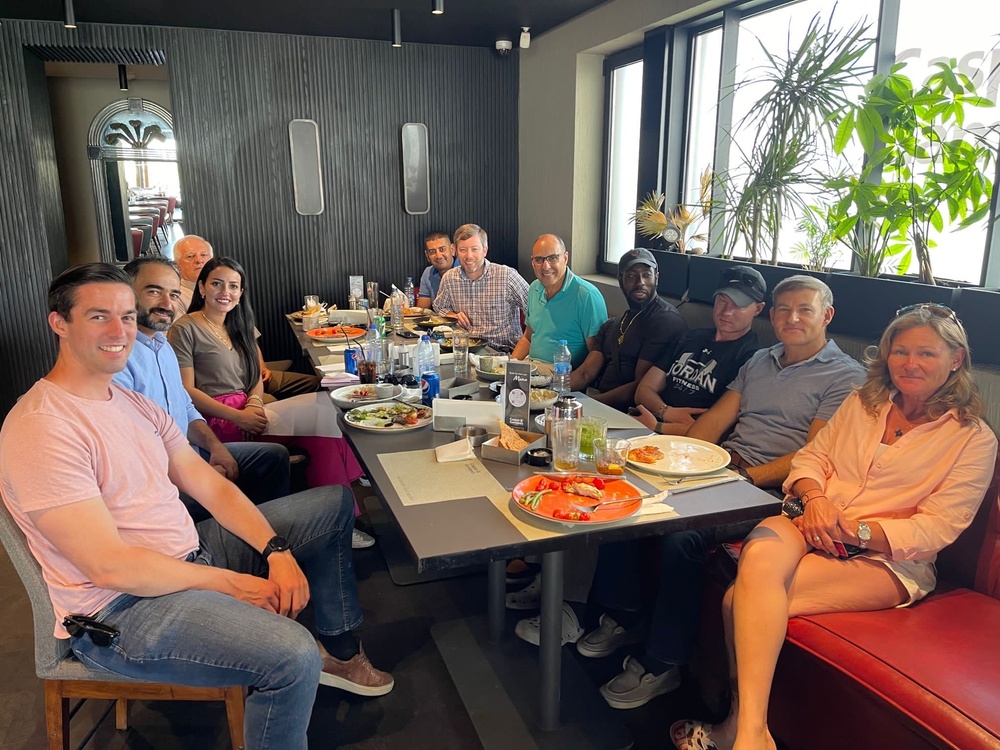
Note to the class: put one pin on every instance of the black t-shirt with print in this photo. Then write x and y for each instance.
(699, 368)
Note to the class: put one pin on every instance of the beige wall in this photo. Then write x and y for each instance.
(77, 92)
(561, 113)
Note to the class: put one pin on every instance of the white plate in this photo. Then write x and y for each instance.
(342, 397)
(539, 404)
(682, 456)
(426, 420)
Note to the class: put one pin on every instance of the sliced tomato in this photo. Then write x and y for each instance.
(559, 513)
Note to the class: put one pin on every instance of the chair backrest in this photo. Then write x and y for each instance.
(973, 561)
(49, 650)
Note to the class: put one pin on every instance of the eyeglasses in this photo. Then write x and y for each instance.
(941, 311)
(100, 634)
(541, 260)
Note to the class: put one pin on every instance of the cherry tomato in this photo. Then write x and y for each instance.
(584, 515)
(559, 513)
(599, 483)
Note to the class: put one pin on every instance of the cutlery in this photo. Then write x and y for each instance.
(722, 480)
(592, 508)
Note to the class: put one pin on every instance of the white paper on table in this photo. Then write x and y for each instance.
(655, 505)
(460, 450)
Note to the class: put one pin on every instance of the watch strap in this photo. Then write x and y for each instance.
(276, 543)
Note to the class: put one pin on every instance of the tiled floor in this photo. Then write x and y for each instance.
(423, 711)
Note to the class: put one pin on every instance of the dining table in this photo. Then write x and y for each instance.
(461, 515)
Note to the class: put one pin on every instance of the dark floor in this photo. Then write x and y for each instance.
(423, 711)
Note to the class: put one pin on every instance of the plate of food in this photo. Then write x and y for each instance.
(499, 367)
(673, 455)
(432, 321)
(542, 397)
(414, 312)
(356, 395)
(577, 498)
(333, 334)
(474, 343)
(390, 417)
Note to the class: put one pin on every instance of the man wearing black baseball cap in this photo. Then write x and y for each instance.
(695, 372)
(627, 345)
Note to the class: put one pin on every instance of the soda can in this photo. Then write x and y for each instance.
(430, 385)
(351, 361)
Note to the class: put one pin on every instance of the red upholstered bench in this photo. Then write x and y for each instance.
(926, 676)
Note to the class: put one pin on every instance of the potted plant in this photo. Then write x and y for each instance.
(679, 225)
(808, 91)
(922, 171)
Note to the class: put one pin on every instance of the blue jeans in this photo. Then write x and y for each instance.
(264, 474)
(204, 638)
(677, 611)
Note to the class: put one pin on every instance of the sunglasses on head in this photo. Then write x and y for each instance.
(941, 311)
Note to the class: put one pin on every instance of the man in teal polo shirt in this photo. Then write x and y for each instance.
(561, 305)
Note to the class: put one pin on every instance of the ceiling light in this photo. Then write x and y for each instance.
(437, 7)
(122, 78)
(70, 15)
(397, 34)
(525, 37)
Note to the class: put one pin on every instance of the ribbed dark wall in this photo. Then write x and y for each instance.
(233, 95)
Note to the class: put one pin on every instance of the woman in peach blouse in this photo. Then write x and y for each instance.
(897, 474)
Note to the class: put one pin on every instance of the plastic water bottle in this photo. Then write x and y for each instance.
(396, 309)
(430, 381)
(408, 290)
(562, 366)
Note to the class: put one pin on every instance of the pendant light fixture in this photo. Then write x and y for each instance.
(122, 78)
(397, 33)
(437, 7)
(70, 22)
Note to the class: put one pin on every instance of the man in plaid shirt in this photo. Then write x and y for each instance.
(487, 299)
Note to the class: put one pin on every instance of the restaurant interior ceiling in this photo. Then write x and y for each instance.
(464, 22)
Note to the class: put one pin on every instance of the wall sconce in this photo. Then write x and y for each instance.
(122, 78)
(397, 34)
(437, 7)
(70, 15)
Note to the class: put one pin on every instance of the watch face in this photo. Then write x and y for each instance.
(278, 544)
(864, 532)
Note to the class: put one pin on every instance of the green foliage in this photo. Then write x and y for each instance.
(805, 99)
(818, 250)
(922, 170)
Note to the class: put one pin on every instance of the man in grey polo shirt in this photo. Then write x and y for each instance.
(778, 402)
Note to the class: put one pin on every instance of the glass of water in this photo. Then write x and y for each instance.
(460, 347)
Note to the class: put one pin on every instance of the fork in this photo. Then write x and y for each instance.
(592, 508)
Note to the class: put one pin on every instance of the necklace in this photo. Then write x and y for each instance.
(899, 424)
(623, 329)
(220, 334)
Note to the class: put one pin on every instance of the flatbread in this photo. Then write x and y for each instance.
(509, 439)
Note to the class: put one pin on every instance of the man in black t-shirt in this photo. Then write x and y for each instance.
(695, 372)
(628, 345)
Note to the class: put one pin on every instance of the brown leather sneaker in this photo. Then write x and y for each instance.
(356, 675)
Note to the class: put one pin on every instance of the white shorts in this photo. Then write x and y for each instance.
(918, 577)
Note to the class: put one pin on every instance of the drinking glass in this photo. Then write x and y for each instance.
(611, 455)
(460, 347)
(373, 302)
(566, 444)
(310, 322)
(312, 301)
(591, 429)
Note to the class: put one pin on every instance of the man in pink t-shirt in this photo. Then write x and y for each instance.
(90, 472)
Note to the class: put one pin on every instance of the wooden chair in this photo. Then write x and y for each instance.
(66, 677)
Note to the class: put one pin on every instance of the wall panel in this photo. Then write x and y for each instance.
(232, 95)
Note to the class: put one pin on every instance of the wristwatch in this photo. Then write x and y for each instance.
(276, 544)
(864, 534)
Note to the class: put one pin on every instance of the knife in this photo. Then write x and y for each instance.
(721, 480)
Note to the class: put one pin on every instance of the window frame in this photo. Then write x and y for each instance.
(611, 63)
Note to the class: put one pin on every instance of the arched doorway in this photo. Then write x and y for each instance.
(126, 142)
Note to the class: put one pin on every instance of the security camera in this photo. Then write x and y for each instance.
(504, 46)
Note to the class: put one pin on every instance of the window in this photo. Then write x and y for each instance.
(623, 98)
(958, 255)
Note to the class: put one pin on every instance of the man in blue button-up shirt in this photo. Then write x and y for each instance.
(259, 469)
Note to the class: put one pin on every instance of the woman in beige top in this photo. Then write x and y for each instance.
(217, 352)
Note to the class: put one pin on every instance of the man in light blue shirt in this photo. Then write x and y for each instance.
(561, 305)
(260, 470)
(440, 252)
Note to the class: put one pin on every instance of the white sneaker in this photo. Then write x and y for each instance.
(361, 540)
(608, 638)
(528, 597)
(527, 630)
